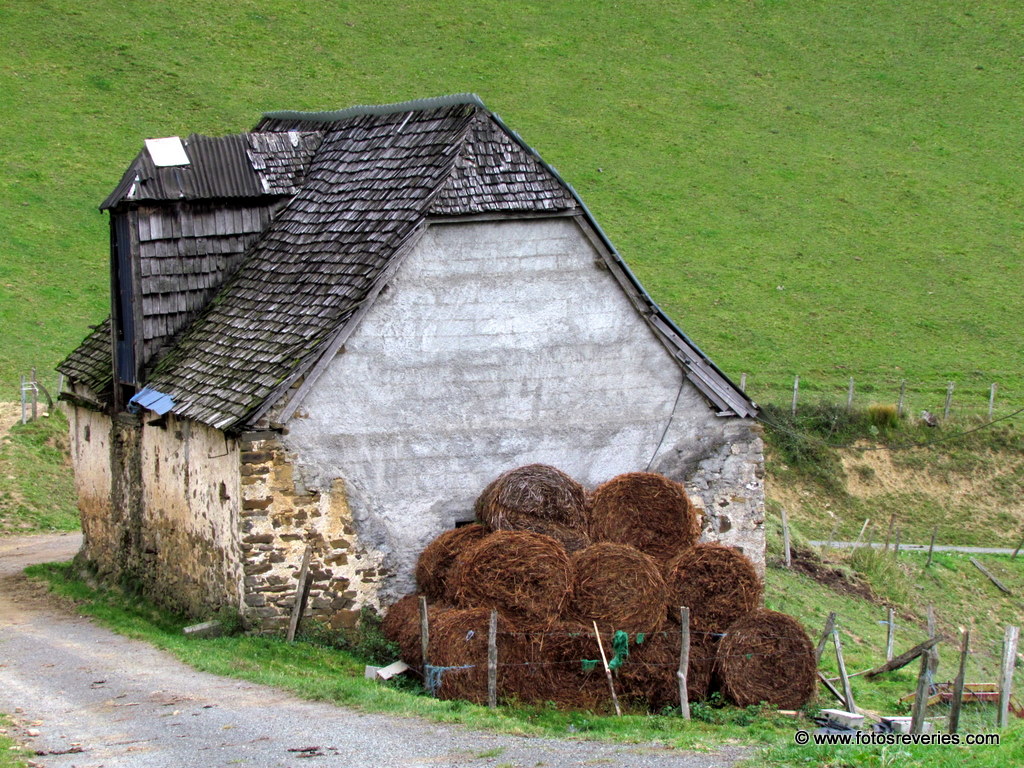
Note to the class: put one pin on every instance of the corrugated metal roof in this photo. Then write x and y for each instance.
(220, 169)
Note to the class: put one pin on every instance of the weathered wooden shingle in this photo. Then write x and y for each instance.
(355, 188)
(91, 363)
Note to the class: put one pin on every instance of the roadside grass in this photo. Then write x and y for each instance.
(316, 668)
(37, 490)
(12, 755)
(806, 188)
(312, 669)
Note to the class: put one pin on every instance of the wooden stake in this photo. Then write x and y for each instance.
(888, 535)
(991, 400)
(931, 547)
(899, 403)
(35, 397)
(890, 634)
(861, 534)
(743, 382)
(424, 640)
(1014, 556)
(796, 392)
(933, 652)
(830, 625)
(896, 547)
(949, 400)
(684, 662)
(301, 593)
(1010, 638)
(785, 539)
(492, 661)
(607, 672)
(958, 685)
(849, 396)
(832, 536)
(920, 698)
(991, 578)
(845, 678)
(831, 688)
(903, 659)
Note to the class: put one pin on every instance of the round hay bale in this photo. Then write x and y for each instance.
(437, 558)
(560, 650)
(401, 625)
(649, 674)
(573, 539)
(526, 575)
(647, 511)
(619, 587)
(717, 584)
(767, 656)
(458, 643)
(534, 492)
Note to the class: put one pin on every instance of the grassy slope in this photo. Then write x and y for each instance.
(37, 491)
(822, 188)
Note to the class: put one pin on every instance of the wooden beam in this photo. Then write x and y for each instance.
(991, 578)
(904, 658)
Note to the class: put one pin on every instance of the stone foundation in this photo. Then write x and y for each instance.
(280, 517)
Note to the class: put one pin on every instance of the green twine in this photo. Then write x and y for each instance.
(620, 644)
(589, 665)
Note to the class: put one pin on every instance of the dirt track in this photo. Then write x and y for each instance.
(123, 703)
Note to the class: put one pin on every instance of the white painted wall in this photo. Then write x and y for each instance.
(497, 344)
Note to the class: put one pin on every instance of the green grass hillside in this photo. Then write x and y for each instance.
(829, 189)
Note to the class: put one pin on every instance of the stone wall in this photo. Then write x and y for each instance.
(90, 456)
(280, 517)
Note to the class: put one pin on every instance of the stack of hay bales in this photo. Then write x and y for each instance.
(553, 560)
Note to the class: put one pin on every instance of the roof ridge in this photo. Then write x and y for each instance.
(416, 105)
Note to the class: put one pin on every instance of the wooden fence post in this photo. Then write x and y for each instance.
(890, 634)
(920, 698)
(492, 661)
(949, 401)
(424, 640)
(796, 391)
(301, 592)
(931, 547)
(958, 685)
(830, 625)
(899, 403)
(896, 546)
(684, 662)
(847, 690)
(849, 396)
(1010, 638)
(991, 400)
(1014, 556)
(861, 534)
(785, 539)
(743, 382)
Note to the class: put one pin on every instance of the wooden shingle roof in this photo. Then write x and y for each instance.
(377, 176)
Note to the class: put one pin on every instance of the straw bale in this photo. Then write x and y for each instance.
(618, 586)
(535, 492)
(649, 676)
(647, 511)
(458, 642)
(560, 650)
(767, 656)
(525, 575)
(436, 560)
(717, 583)
(401, 625)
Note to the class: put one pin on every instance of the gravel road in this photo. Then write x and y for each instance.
(105, 700)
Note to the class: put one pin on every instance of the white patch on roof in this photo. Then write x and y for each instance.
(167, 152)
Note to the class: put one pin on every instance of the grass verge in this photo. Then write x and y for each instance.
(37, 491)
(12, 754)
(311, 669)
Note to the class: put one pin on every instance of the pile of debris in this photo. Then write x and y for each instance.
(562, 567)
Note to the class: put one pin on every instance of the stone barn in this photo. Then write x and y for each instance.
(335, 330)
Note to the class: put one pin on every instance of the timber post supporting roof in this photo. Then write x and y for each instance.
(359, 187)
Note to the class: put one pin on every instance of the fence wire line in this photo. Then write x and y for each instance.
(808, 438)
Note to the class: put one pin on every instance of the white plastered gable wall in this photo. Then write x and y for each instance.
(497, 344)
